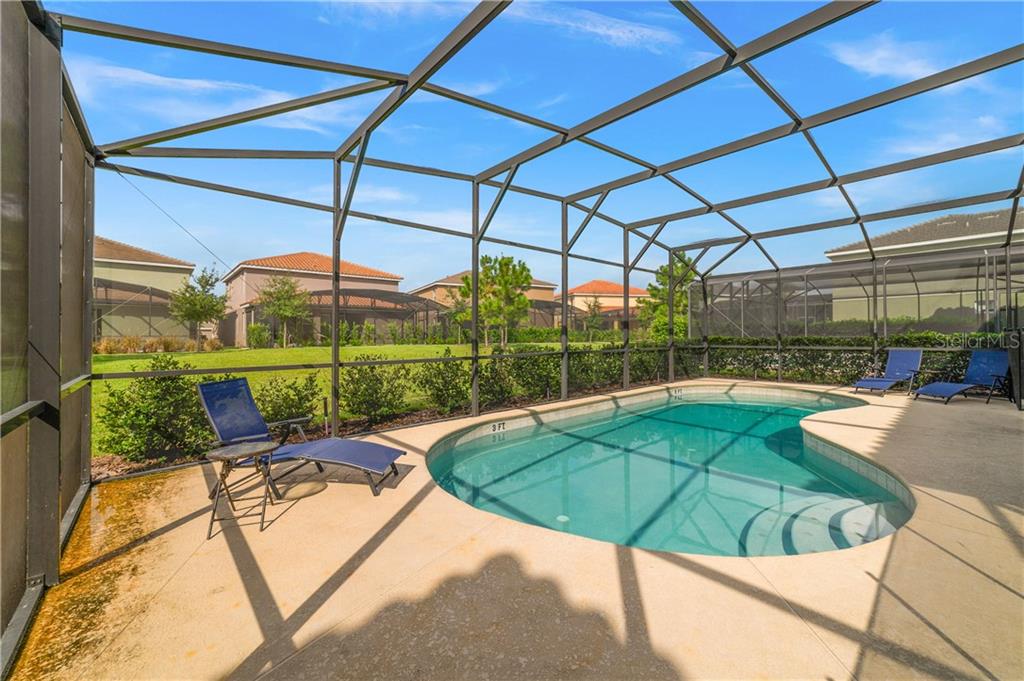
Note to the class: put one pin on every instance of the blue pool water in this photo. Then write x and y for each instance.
(699, 474)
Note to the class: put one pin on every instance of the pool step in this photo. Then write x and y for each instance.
(820, 523)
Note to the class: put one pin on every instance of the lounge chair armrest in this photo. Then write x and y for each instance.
(300, 421)
(288, 426)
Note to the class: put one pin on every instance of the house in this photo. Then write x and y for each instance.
(444, 290)
(608, 295)
(541, 295)
(313, 272)
(131, 290)
(923, 298)
(946, 232)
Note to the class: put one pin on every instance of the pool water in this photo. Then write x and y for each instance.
(698, 474)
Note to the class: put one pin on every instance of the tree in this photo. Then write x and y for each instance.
(459, 310)
(503, 284)
(593, 319)
(654, 310)
(195, 302)
(284, 299)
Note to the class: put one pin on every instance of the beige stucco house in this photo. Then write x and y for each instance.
(444, 290)
(607, 293)
(132, 289)
(313, 272)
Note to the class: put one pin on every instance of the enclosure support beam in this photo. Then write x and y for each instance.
(780, 315)
(707, 322)
(802, 26)
(671, 317)
(959, 153)
(474, 304)
(228, 189)
(497, 202)
(591, 212)
(43, 353)
(1014, 207)
(643, 249)
(725, 257)
(465, 31)
(928, 83)
(916, 209)
(340, 218)
(625, 309)
(564, 330)
(885, 299)
(246, 116)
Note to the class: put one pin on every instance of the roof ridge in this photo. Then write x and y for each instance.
(139, 248)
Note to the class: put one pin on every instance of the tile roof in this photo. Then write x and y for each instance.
(305, 261)
(937, 229)
(108, 249)
(603, 287)
(456, 280)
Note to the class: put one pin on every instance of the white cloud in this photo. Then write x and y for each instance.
(883, 55)
(365, 193)
(373, 14)
(590, 24)
(945, 133)
(553, 101)
(176, 101)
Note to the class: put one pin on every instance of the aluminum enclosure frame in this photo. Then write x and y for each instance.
(403, 86)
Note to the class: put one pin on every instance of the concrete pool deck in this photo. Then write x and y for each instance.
(415, 584)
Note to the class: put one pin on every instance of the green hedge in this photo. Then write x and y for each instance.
(829, 366)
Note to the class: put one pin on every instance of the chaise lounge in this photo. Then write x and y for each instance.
(900, 366)
(236, 419)
(986, 370)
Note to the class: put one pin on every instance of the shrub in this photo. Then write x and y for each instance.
(107, 346)
(369, 333)
(188, 345)
(131, 344)
(151, 345)
(538, 377)
(172, 343)
(258, 336)
(646, 363)
(374, 391)
(280, 398)
(211, 344)
(154, 417)
(447, 384)
(393, 333)
(496, 383)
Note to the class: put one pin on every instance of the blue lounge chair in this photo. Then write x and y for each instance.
(900, 366)
(986, 370)
(235, 418)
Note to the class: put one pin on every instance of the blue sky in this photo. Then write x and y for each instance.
(563, 62)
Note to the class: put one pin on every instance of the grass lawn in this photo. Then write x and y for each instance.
(242, 358)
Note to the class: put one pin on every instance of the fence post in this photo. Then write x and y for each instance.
(565, 303)
(874, 313)
(707, 320)
(625, 308)
(475, 305)
(779, 316)
(671, 317)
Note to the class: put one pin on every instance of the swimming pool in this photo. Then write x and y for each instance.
(695, 471)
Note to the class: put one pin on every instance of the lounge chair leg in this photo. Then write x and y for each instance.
(213, 511)
(263, 506)
(373, 486)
